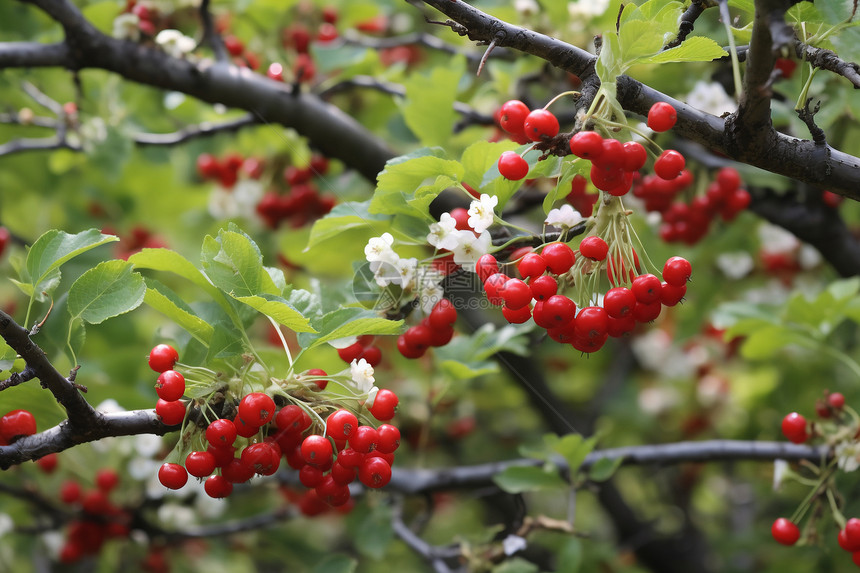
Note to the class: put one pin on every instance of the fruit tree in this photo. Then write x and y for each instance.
(429, 285)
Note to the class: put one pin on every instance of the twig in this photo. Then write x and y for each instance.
(485, 56)
(18, 378)
(210, 36)
(687, 24)
(807, 116)
(205, 129)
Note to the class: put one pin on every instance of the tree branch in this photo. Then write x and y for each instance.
(33, 55)
(205, 129)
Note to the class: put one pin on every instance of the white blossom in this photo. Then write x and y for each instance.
(431, 293)
(565, 216)
(470, 248)
(735, 265)
(371, 397)
(405, 272)
(808, 257)
(147, 445)
(176, 515)
(711, 97)
(586, 8)
(780, 467)
(776, 239)
(481, 213)
(379, 248)
(175, 43)
(362, 374)
(442, 234)
(222, 204)
(6, 524)
(127, 27)
(513, 543)
(848, 456)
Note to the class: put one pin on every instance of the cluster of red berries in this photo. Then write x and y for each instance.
(795, 427)
(786, 532)
(137, 239)
(326, 465)
(98, 520)
(16, 424)
(5, 237)
(689, 222)
(363, 348)
(579, 198)
(435, 330)
(298, 37)
(227, 169)
(536, 295)
(150, 21)
(303, 202)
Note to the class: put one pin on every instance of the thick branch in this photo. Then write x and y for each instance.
(33, 55)
(421, 481)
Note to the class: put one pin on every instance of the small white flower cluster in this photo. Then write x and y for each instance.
(712, 98)
(466, 247)
(362, 376)
(240, 201)
(127, 27)
(175, 43)
(387, 266)
(564, 217)
(847, 455)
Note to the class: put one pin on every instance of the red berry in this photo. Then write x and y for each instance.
(263, 457)
(852, 533)
(106, 479)
(670, 295)
(218, 487)
(543, 287)
(516, 294)
(388, 438)
(341, 424)
(845, 543)
(540, 123)
(257, 409)
(646, 288)
(794, 428)
(836, 400)
(364, 439)
(170, 385)
(292, 418)
(591, 322)
(619, 302)
(374, 472)
(407, 350)
(618, 327)
(15, 424)
(594, 248)
(559, 257)
(558, 310)
(208, 166)
(172, 476)
(237, 472)
(647, 312)
(327, 32)
(351, 352)
(221, 432)
(512, 166)
(275, 72)
(785, 532)
(419, 337)
(316, 450)
(786, 66)
(234, 45)
(635, 156)
(443, 315)
(669, 165)
(728, 179)
(486, 267)
(200, 464)
(371, 354)
(677, 271)
(493, 287)
(662, 117)
(512, 116)
(163, 357)
(587, 145)
(48, 463)
(384, 405)
(70, 492)
(518, 316)
(171, 413)
(532, 265)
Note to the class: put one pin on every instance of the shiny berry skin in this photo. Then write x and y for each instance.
(364, 439)
(669, 165)
(221, 432)
(794, 428)
(257, 409)
(618, 327)
(512, 166)
(591, 322)
(341, 424)
(612, 158)
(172, 476)
(531, 266)
(443, 315)
(374, 472)
(671, 295)
(836, 400)
(407, 350)
(237, 472)
(493, 287)
(543, 287)
(17, 423)
(728, 179)
(643, 312)
(170, 385)
(516, 294)
(635, 156)
(384, 405)
(587, 145)
(662, 117)
(244, 428)
(208, 166)
(275, 72)
(388, 438)
(163, 357)
(559, 257)
(200, 464)
(852, 535)
(351, 352)
(594, 248)
(677, 271)
(540, 123)
(512, 117)
(217, 487)
(263, 457)
(316, 450)
(646, 288)
(292, 418)
(785, 532)
(486, 266)
(518, 316)
(171, 413)
(619, 302)
(558, 310)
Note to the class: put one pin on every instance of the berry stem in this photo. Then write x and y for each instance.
(559, 96)
(283, 343)
(838, 517)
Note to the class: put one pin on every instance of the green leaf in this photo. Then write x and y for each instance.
(574, 448)
(226, 341)
(604, 468)
(344, 216)
(694, 49)
(766, 342)
(373, 532)
(167, 302)
(482, 156)
(519, 479)
(467, 371)
(409, 183)
(279, 309)
(234, 264)
(336, 564)
(639, 39)
(470, 356)
(54, 248)
(110, 289)
(570, 556)
(351, 321)
(171, 261)
(516, 565)
(428, 108)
